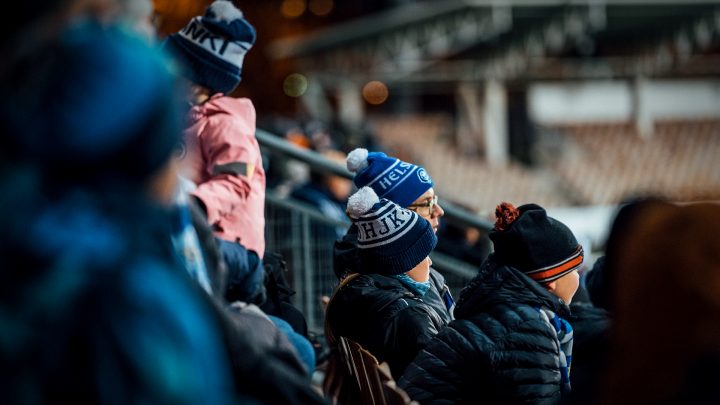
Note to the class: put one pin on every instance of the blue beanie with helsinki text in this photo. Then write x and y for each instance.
(391, 178)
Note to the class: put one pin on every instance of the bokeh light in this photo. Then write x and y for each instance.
(295, 85)
(375, 92)
(321, 7)
(293, 8)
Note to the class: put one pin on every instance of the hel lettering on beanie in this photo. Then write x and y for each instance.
(527, 239)
(391, 178)
(212, 48)
(391, 239)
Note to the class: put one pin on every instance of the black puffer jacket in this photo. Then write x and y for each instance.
(498, 350)
(385, 317)
(346, 260)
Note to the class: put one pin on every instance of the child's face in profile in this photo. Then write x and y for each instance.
(566, 286)
(421, 272)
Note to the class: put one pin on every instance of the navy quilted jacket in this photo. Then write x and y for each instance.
(498, 350)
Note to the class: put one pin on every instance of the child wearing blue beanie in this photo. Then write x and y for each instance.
(384, 309)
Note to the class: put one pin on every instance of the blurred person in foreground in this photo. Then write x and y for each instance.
(93, 304)
(665, 344)
(200, 255)
(510, 342)
(600, 281)
(592, 321)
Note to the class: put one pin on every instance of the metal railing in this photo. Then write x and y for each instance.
(323, 164)
(305, 237)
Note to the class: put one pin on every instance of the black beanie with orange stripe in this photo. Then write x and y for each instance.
(527, 239)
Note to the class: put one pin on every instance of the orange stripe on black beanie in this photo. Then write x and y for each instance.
(540, 246)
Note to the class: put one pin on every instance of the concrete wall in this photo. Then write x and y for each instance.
(615, 101)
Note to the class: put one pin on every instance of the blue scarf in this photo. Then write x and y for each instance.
(565, 337)
(187, 244)
(419, 288)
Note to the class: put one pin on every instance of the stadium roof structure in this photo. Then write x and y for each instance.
(473, 40)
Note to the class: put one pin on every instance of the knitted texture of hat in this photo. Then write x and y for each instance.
(105, 105)
(391, 178)
(211, 49)
(391, 239)
(540, 246)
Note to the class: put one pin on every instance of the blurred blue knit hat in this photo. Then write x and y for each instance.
(391, 178)
(391, 239)
(212, 48)
(103, 104)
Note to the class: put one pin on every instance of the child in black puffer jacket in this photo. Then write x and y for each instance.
(510, 342)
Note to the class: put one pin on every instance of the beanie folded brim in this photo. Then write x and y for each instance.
(401, 262)
(218, 75)
(555, 271)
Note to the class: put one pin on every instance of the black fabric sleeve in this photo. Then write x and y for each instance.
(437, 376)
(406, 334)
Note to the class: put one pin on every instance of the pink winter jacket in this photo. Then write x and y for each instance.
(223, 159)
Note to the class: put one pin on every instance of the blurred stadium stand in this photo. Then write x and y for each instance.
(573, 104)
(564, 103)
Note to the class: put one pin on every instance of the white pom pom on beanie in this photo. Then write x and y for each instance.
(224, 10)
(361, 202)
(391, 178)
(357, 160)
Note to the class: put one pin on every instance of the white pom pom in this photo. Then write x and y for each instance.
(357, 160)
(224, 10)
(361, 202)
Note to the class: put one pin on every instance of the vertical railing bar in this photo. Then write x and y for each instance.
(295, 224)
(308, 272)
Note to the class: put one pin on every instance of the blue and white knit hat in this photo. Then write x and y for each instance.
(391, 178)
(391, 239)
(212, 48)
(105, 105)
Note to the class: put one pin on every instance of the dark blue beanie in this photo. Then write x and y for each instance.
(104, 105)
(211, 49)
(391, 239)
(391, 178)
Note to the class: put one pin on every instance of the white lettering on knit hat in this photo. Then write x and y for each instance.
(394, 223)
(230, 51)
(389, 178)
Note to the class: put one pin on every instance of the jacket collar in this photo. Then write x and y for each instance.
(497, 283)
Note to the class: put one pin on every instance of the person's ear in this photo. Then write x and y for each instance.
(551, 286)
